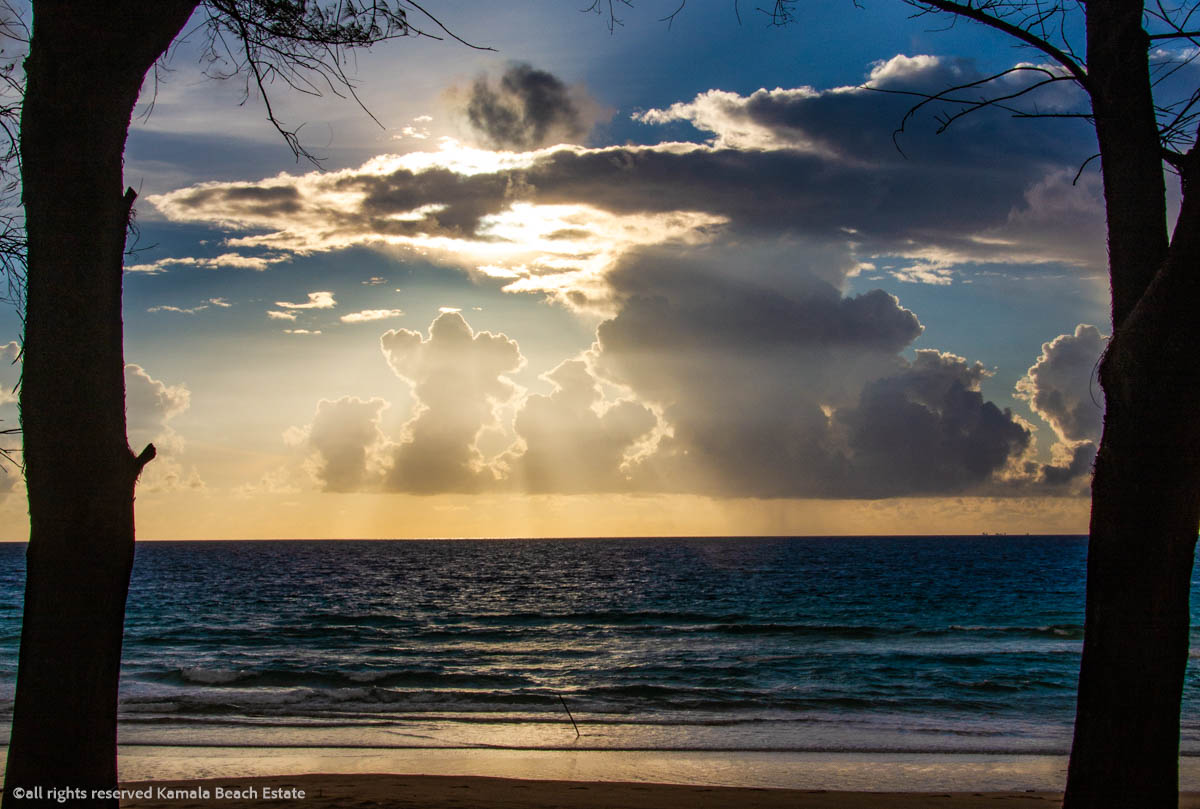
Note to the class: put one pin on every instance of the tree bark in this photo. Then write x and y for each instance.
(1130, 149)
(1145, 513)
(1146, 487)
(85, 68)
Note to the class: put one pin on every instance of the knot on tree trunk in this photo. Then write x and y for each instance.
(144, 457)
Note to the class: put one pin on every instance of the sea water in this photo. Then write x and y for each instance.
(868, 645)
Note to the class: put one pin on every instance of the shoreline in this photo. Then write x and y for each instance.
(330, 778)
(322, 791)
(856, 772)
(862, 772)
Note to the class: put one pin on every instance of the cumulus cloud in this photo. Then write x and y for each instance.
(348, 450)
(10, 475)
(458, 381)
(1062, 389)
(572, 440)
(725, 388)
(151, 403)
(528, 108)
(9, 371)
(764, 394)
(150, 406)
(275, 314)
(371, 315)
(927, 430)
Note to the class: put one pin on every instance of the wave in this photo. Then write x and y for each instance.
(334, 629)
(428, 678)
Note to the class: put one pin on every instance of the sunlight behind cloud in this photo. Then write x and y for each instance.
(551, 247)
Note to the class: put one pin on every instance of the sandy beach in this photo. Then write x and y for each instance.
(444, 792)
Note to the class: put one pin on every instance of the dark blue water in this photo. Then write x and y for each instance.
(966, 644)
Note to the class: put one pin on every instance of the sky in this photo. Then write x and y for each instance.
(690, 277)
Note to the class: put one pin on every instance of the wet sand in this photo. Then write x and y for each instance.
(360, 791)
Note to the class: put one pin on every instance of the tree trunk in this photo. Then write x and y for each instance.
(84, 71)
(1146, 488)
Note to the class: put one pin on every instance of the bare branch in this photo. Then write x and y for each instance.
(599, 7)
(1083, 166)
(950, 95)
(973, 12)
(306, 45)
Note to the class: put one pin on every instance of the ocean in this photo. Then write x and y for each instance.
(902, 645)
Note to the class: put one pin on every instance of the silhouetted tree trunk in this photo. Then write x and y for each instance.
(86, 65)
(1146, 488)
(85, 68)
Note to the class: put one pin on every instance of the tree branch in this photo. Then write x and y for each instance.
(144, 457)
(1017, 32)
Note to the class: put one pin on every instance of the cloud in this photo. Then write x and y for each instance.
(1060, 218)
(371, 315)
(719, 267)
(573, 441)
(824, 173)
(458, 381)
(230, 260)
(9, 372)
(150, 406)
(277, 315)
(301, 331)
(927, 430)
(348, 450)
(220, 302)
(316, 300)
(724, 388)
(527, 109)
(178, 309)
(923, 273)
(151, 403)
(1062, 389)
(850, 124)
(1061, 386)
(803, 394)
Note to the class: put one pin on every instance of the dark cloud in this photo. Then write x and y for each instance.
(732, 391)
(1071, 466)
(748, 372)
(927, 430)
(772, 395)
(463, 200)
(800, 395)
(254, 200)
(525, 110)
(852, 123)
(813, 165)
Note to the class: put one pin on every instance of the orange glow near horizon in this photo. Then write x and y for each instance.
(176, 516)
